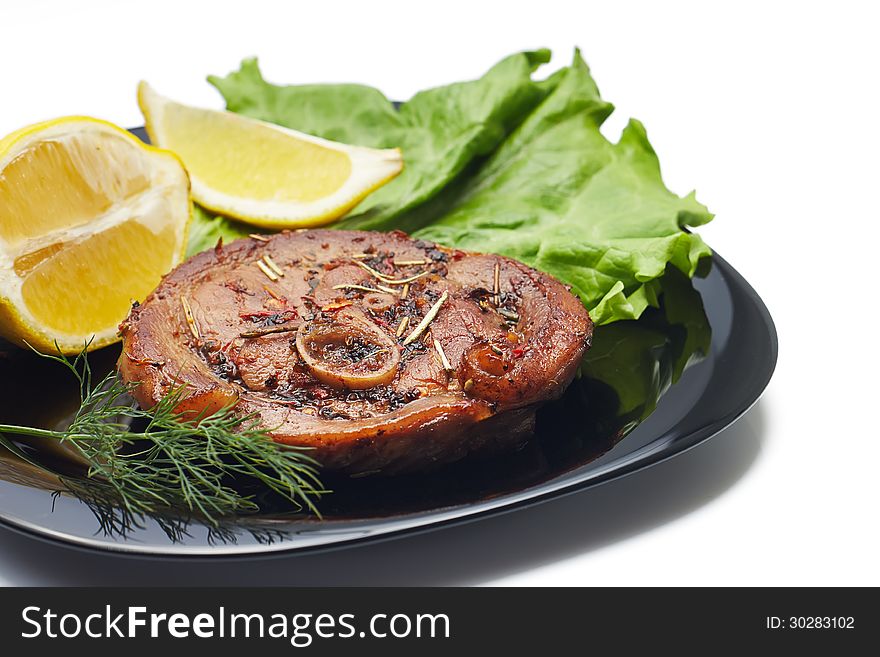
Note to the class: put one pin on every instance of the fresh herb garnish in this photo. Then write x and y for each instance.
(147, 463)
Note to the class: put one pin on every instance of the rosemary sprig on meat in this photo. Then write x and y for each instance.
(427, 319)
(443, 359)
(354, 286)
(389, 280)
(190, 320)
(402, 326)
(410, 263)
(267, 330)
(161, 461)
(272, 265)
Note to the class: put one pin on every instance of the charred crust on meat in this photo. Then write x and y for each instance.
(511, 338)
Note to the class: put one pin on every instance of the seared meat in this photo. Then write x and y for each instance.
(381, 352)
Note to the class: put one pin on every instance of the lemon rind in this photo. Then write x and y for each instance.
(372, 169)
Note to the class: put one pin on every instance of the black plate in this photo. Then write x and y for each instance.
(606, 426)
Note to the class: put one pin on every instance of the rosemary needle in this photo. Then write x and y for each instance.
(427, 319)
(271, 275)
(402, 326)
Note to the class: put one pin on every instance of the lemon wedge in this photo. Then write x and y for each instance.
(90, 220)
(261, 173)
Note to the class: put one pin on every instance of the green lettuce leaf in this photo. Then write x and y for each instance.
(639, 360)
(208, 227)
(560, 197)
(505, 164)
(622, 377)
(440, 131)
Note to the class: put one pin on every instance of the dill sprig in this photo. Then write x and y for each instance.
(147, 463)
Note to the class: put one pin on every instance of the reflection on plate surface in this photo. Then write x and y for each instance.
(649, 388)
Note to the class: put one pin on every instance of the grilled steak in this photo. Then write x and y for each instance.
(383, 353)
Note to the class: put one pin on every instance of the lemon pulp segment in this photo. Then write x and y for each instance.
(218, 149)
(78, 179)
(85, 287)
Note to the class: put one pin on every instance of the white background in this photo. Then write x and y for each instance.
(770, 110)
